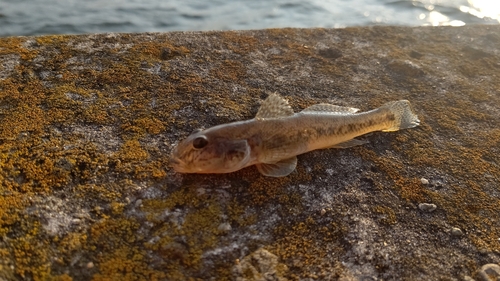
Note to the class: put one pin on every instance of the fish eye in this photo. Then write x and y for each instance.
(200, 142)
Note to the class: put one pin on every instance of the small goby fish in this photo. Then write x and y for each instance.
(274, 138)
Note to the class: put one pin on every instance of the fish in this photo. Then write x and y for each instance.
(272, 140)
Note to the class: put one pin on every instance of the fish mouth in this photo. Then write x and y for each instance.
(176, 163)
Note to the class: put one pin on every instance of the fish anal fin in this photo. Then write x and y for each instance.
(330, 108)
(349, 143)
(274, 107)
(279, 169)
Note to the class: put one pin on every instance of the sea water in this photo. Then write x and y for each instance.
(37, 17)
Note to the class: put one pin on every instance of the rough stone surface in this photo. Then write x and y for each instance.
(88, 122)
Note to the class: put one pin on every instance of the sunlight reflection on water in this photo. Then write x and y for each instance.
(483, 9)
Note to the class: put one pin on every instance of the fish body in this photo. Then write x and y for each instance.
(276, 135)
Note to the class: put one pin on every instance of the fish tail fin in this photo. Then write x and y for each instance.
(404, 117)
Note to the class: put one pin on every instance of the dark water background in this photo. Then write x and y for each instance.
(37, 17)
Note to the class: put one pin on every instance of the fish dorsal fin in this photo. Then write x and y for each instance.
(330, 108)
(274, 107)
(279, 169)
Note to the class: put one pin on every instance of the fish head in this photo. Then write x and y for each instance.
(209, 152)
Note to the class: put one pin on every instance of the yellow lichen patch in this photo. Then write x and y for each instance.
(68, 102)
(73, 242)
(124, 231)
(132, 151)
(62, 277)
(183, 236)
(56, 40)
(132, 159)
(409, 188)
(127, 264)
(304, 248)
(10, 202)
(230, 109)
(117, 208)
(280, 35)
(31, 255)
(386, 215)
(21, 109)
(291, 52)
(229, 71)
(263, 189)
(95, 114)
(150, 124)
(235, 211)
(238, 43)
(107, 192)
(29, 167)
(189, 83)
(153, 51)
(14, 45)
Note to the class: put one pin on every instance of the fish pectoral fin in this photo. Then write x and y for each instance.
(274, 107)
(279, 169)
(349, 143)
(330, 108)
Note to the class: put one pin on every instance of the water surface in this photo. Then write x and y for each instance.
(37, 17)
